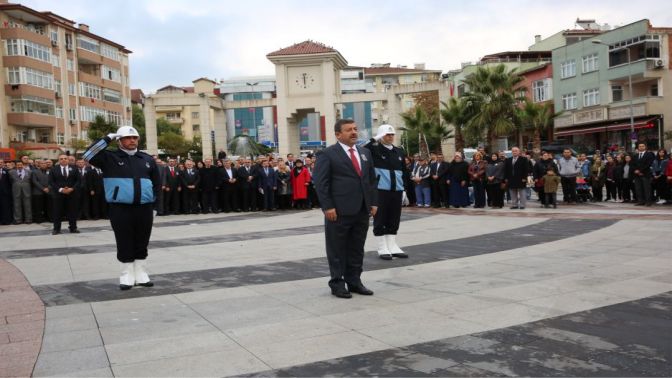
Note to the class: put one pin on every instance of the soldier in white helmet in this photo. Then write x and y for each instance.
(388, 161)
(131, 181)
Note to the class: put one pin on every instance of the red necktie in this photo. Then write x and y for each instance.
(172, 172)
(355, 163)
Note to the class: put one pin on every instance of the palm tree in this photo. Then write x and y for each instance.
(454, 113)
(416, 121)
(491, 102)
(538, 117)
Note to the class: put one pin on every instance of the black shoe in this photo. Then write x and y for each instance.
(55, 232)
(341, 292)
(75, 231)
(400, 255)
(360, 289)
(521, 208)
(125, 287)
(639, 204)
(385, 257)
(514, 207)
(146, 284)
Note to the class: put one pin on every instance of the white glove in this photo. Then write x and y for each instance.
(377, 138)
(261, 191)
(113, 136)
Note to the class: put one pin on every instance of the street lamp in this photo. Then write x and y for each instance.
(254, 115)
(632, 115)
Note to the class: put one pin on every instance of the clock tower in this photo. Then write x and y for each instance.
(307, 81)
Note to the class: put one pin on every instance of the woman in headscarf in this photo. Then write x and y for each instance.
(459, 182)
(494, 175)
(300, 181)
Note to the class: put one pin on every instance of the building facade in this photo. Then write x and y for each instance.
(592, 88)
(57, 77)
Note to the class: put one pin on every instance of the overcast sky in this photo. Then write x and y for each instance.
(175, 42)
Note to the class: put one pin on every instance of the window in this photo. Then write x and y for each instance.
(616, 93)
(196, 129)
(569, 101)
(542, 90)
(568, 69)
(72, 113)
(591, 97)
(108, 73)
(29, 76)
(654, 90)
(68, 41)
(44, 137)
(87, 43)
(59, 112)
(173, 116)
(55, 60)
(194, 115)
(109, 51)
(31, 104)
(53, 35)
(590, 63)
(90, 90)
(89, 114)
(70, 65)
(71, 89)
(111, 95)
(60, 138)
(30, 49)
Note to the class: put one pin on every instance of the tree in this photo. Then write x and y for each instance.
(100, 127)
(538, 117)
(174, 144)
(78, 145)
(138, 117)
(428, 130)
(163, 126)
(454, 113)
(491, 102)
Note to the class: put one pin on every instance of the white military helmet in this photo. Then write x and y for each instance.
(127, 131)
(384, 130)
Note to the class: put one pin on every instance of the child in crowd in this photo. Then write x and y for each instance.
(551, 183)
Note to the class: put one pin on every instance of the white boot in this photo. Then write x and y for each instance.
(141, 276)
(393, 247)
(127, 278)
(383, 252)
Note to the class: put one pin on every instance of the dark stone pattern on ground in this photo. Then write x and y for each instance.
(190, 281)
(632, 339)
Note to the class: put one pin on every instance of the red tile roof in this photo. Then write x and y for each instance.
(393, 70)
(137, 96)
(303, 48)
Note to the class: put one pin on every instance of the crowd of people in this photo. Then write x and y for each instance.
(270, 183)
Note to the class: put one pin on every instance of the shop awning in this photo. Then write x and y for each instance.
(645, 124)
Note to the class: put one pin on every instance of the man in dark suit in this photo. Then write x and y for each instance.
(171, 188)
(346, 187)
(21, 192)
(41, 195)
(247, 181)
(641, 165)
(209, 185)
(63, 179)
(5, 195)
(268, 183)
(228, 190)
(95, 189)
(83, 197)
(516, 170)
(190, 182)
(159, 205)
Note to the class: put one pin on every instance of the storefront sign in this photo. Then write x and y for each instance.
(565, 121)
(624, 111)
(588, 116)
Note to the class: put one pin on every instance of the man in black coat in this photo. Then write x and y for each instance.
(96, 192)
(516, 170)
(345, 182)
(248, 185)
(83, 197)
(63, 183)
(641, 165)
(209, 183)
(228, 188)
(190, 182)
(171, 188)
(6, 216)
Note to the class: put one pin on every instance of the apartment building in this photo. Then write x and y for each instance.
(57, 77)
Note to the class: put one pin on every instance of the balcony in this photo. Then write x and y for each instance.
(31, 119)
(13, 30)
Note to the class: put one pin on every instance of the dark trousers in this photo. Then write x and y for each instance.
(269, 198)
(386, 221)
(410, 192)
(568, 188)
(611, 190)
(132, 225)
(190, 201)
(228, 199)
(159, 204)
(627, 188)
(6, 216)
(65, 205)
(284, 201)
(619, 189)
(345, 247)
(98, 206)
(597, 192)
(643, 189)
(479, 193)
(550, 199)
(40, 207)
(84, 204)
(495, 195)
(249, 198)
(209, 201)
(661, 188)
(171, 201)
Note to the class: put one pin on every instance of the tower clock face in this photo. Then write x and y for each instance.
(304, 80)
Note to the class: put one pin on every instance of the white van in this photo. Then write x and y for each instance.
(468, 154)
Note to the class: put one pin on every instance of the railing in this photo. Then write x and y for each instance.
(15, 25)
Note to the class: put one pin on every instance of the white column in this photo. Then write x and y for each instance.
(221, 134)
(150, 127)
(206, 128)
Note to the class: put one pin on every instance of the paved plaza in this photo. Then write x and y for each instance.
(577, 291)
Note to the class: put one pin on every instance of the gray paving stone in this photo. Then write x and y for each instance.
(69, 324)
(63, 341)
(69, 362)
